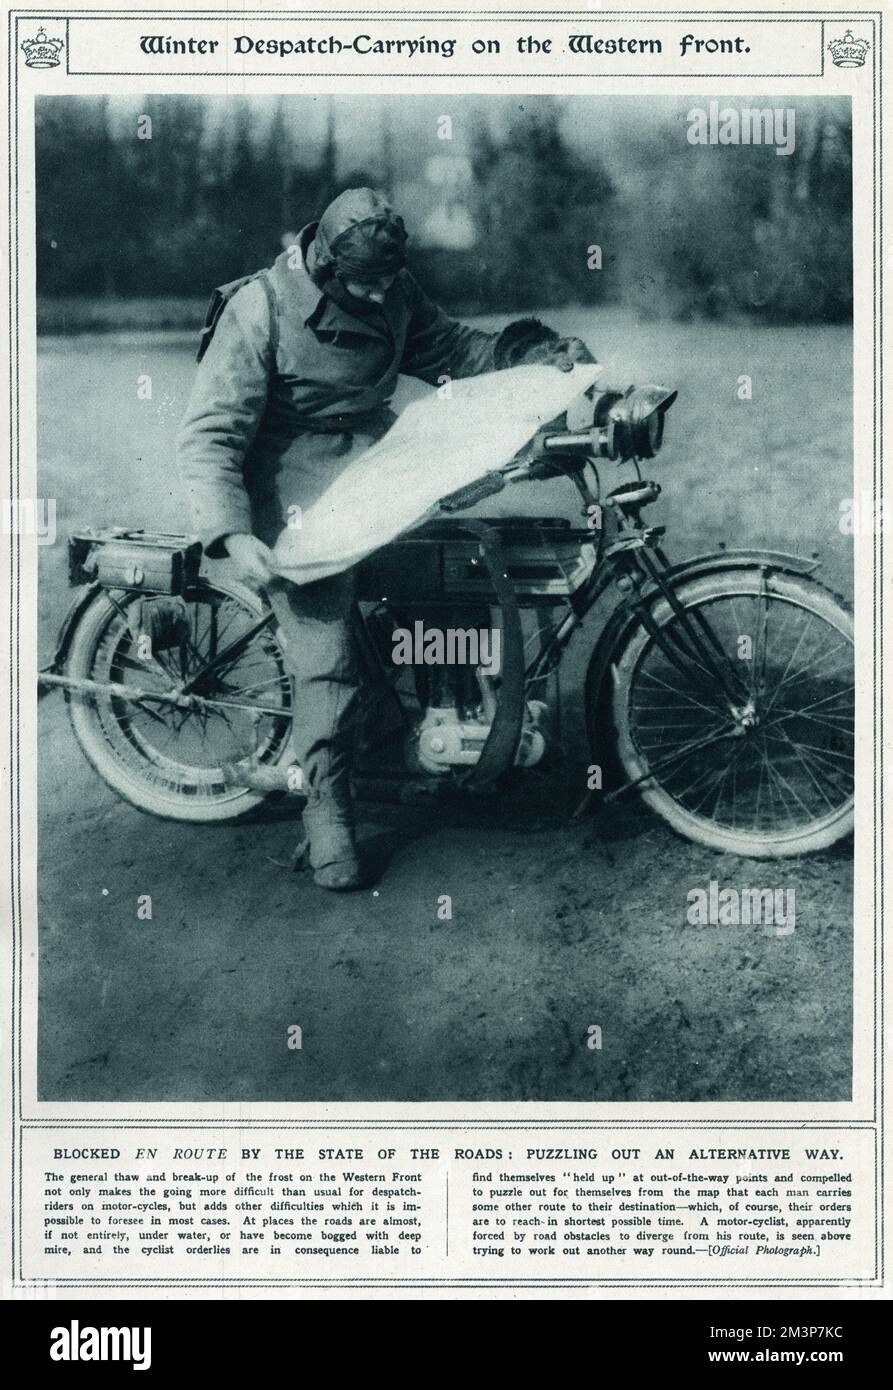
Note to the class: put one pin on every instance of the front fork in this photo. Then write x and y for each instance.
(691, 646)
(638, 561)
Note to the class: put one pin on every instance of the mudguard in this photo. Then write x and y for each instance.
(618, 629)
(84, 597)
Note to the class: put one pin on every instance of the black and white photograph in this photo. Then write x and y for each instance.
(446, 522)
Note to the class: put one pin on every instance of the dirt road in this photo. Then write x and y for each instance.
(556, 927)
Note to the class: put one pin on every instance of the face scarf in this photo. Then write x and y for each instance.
(334, 290)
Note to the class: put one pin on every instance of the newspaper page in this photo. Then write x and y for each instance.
(446, 612)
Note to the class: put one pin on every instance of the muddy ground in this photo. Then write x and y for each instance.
(556, 925)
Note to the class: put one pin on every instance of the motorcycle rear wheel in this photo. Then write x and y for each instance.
(165, 761)
(765, 773)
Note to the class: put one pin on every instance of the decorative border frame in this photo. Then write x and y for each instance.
(20, 1122)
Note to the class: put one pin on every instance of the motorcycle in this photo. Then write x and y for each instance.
(720, 689)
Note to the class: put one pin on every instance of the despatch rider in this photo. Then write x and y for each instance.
(296, 373)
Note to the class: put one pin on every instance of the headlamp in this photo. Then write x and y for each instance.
(630, 424)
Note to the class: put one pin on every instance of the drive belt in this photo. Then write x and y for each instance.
(498, 753)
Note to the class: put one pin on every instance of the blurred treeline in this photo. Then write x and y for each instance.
(681, 230)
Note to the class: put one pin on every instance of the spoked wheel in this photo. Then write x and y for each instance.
(176, 761)
(741, 733)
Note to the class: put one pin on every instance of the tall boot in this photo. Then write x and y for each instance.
(330, 845)
(314, 622)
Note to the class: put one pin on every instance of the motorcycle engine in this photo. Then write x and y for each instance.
(444, 739)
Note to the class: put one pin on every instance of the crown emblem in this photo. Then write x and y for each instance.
(848, 52)
(41, 52)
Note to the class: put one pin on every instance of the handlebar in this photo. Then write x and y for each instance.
(565, 439)
(625, 426)
(583, 444)
(531, 469)
(475, 492)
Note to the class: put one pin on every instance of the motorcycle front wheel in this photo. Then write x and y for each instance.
(738, 727)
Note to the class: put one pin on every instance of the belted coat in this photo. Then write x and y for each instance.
(292, 386)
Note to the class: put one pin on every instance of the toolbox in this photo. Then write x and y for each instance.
(149, 561)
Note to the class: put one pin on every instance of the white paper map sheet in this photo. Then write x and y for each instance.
(436, 446)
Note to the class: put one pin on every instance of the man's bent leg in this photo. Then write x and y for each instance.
(314, 620)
